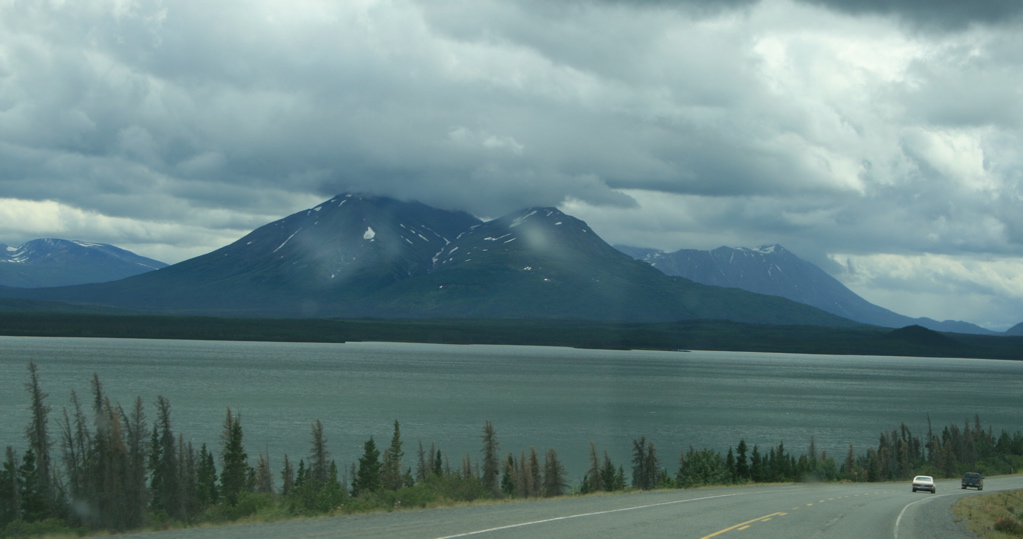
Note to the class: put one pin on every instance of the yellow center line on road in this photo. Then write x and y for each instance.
(744, 525)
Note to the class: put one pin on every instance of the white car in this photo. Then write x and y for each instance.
(923, 482)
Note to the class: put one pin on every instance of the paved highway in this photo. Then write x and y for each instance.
(838, 511)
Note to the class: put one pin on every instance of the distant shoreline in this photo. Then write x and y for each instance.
(676, 336)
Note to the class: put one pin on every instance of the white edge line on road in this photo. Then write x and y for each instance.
(903, 512)
(521, 524)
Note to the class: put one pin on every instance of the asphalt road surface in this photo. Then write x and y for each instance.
(853, 511)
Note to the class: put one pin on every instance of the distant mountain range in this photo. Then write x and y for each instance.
(775, 271)
(57, 262)
(358, 256)
(376, 257)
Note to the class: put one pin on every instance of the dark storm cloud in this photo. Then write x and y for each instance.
(933, 14)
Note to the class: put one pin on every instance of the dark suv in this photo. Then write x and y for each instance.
(973, 479)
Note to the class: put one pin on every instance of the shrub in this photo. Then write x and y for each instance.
(249, 504)
(50, 526)
(1009, 525)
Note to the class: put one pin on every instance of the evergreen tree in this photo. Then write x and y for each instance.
(165, 485)
(731, 467)
(392, 476)
(522, 477)
(234, 474)
(423, 468)
(301, 475)
(491, 461)
(188, 480)
(612, 477)
(319, 457)
(34, 505)
(107, 463)
(535, 475)
(742, 471)
(645, 468)
(508, 477)
(850, 468)
(10, 502)
(699, 468)
(439, 467)
(367, 478)
(756, 465)
(468, 469)
(137, 493)
(593, 480)
(39, 439)
(554, 482)
(207, 493)
(264, 477)
(76, 442)
(287, 476)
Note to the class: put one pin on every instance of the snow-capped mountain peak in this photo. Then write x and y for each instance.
(58, 262)
(773, 270)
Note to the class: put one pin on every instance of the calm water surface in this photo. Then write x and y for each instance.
(542, 397)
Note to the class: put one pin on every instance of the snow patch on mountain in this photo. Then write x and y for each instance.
(287, 240)
(521, 219)
(50, 262)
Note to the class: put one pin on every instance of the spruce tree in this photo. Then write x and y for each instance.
(39, 437)
(535, 475)
(319, 456)
(756, 465)
(393, 478)
(165, 482)
(136, 439)
(287, 476)
(367, 478)
(207, 493)
(593, 481)
(107, 463)
(422, 468)
(645, 469)
(438, 462)
(10, 503)
(234, 472)
(33, 503)
(612, 477)
(508, 477)
(554, 482)
(264, 477)
(188, 480)
(742, 472)
(730, 466)
(491, 460)
(76, 442)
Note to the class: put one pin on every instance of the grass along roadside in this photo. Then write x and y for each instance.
(995, 515)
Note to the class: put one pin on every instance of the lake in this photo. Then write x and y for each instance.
(544, 397)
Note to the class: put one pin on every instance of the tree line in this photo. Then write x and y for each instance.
(108, 468)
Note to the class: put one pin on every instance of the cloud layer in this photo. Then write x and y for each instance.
(868, 137)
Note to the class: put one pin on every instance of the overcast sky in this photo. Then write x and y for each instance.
(879, 139)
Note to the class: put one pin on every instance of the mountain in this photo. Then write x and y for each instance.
(1016, 331)
(329, 255)
(376, 257)
(775, 271)
(57, 262)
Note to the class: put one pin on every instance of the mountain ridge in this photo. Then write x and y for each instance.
(359, 256)
(773, 270)
(49, 262)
